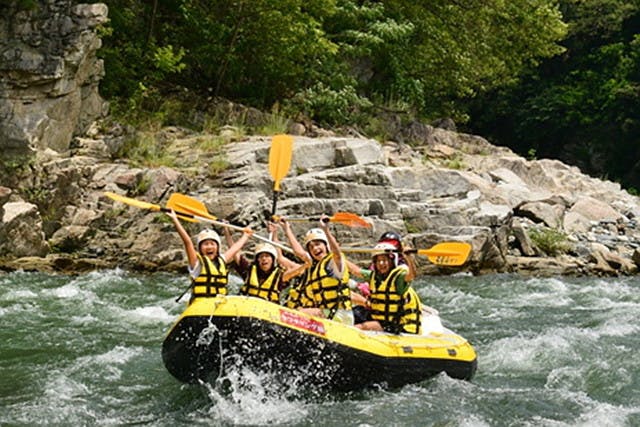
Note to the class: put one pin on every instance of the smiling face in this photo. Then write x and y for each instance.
(317, 249)
(382, 264)
(265, 261)
(209, 249)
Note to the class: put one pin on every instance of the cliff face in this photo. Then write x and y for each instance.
(49, 74)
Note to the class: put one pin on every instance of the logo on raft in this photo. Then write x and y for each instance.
(302, 322)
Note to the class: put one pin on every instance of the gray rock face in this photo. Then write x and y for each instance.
(49, 74)
(21, 230)
(490, 198)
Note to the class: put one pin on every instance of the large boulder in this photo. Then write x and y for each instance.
(21, 231)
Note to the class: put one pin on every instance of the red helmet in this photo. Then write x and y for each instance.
(393, 238)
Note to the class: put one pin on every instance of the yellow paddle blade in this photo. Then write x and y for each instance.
(183, 203)
(447, 253)
(191, 210)
(144, 205)
(133, 202)
(280, 158)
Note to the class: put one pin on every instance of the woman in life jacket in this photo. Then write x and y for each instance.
(395, 240)
(393, 304)
(263, 276)
(207, 266)
(360, 284)
(323, 290)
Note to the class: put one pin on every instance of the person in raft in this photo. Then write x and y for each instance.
(394, 306)
(323, 289)
(263, 276)
(207, 266)
(394, 239)
(359, 299)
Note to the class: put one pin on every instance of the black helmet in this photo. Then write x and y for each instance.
(390, 235)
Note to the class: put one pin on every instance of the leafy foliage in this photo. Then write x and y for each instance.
(551, 242)
(332, 60)
(581, 107)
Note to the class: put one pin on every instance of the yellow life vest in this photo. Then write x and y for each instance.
(326, 291)
(396, 312)
(411, 320)
(212, 280)
(267, 290)
(296, 296)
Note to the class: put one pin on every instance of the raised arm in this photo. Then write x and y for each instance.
(354, 269)
(411, 263)
(333, 243)
(284, 262)
(229, 240)
(237, 246)
(298, 250)
(192, 254)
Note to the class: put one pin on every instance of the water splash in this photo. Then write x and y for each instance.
(244, 397)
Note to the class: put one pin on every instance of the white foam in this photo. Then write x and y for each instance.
(596, 415)
(83, 320)
(616, 328)
(71, 291)
(566, 378)
(153, 314)
(19, 294)
(522, 353)
(118, 355)
(107, 365)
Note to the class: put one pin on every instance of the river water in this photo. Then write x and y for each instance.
(85, 350)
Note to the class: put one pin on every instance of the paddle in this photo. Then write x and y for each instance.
(195, 209)
(279, 163)
(345, 218)
(146, 205)
(445, 253)
(183, 203)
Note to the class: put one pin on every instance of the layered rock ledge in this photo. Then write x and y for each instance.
(450, 187)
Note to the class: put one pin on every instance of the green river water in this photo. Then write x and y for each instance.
(85, 350)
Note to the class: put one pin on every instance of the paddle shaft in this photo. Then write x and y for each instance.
(275, 203)
(237, 228)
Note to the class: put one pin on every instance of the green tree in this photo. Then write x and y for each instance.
(461, 48)
(581, 107)
(330, 59)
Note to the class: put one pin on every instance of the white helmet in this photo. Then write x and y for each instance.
(315, 234)
(387, 249)
(266, 248)
(208, 234)
(384, 246)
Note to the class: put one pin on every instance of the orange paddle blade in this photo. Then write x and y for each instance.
(280, 158)
(349, 219)
(345, 218)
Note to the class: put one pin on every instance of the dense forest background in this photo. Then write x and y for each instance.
(557, 79)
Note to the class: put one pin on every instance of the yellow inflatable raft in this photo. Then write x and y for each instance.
(214, 333)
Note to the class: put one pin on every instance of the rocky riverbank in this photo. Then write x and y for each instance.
(525, 216)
